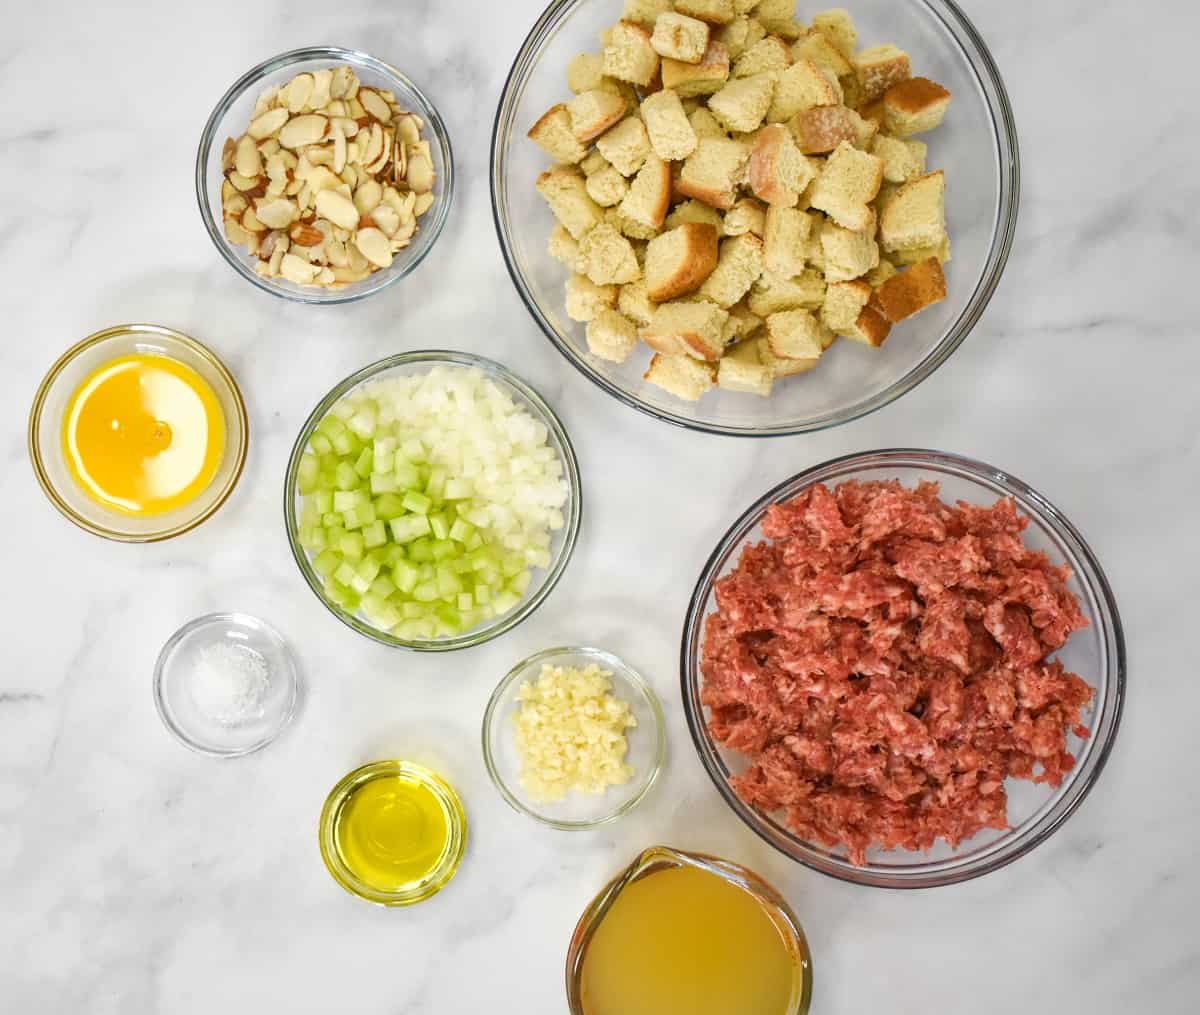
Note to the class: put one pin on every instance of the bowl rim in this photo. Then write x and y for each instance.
(496, 371)
(617, 665)
(232, 619)
(1078, 784)
(357, 58)
(240, 423)
(1004, 132)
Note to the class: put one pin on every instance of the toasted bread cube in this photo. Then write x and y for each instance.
(768, 56)
(773, 293)
(565, 191)
(563, 247)
(822, 128)
(634, 302)
(847, 185)
(742, 369)
(678, 37)
(802, 86)
(742, 104)
(713, 172)
(911, 291)
(705, 124)
(671, 134)
(739, 265)
(844, 301)
(912, 255)
(592, 113)
(838, 27)
(778, 17)
(778, 172)
(703, 78)
(628, 227)
(682, 376)
(746, 216)
(848, 254)
(628, 55)
(626, 145)
(693, 329)
(872, 327)
(797, 334)
(585, 299)
(915, 214)
(611, 336)
(914, 106)
(695, 211)
(607, 258)
(902, 160)
(879, 68)
(607, 187)
(880, 273)
(679, 260)
(554, 135)
(645, 12)
(816, 46)
(649, 195)
(739, 35)
(585, 72)
(593, 163)
(785, 240)
(715, 12)
(781, 368)
(742, 323)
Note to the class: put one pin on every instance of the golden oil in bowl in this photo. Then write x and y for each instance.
(393, 833)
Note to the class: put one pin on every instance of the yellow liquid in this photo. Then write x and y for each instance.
(143, 434)
(392, 832)
(682, 941)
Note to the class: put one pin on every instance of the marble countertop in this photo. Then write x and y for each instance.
(136, 877)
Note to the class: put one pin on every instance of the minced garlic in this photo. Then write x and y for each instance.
(570, 731)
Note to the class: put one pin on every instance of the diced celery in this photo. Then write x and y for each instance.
(347, 478)
(345, 573)
(368, 570)
(413, 450)
(520, 584)
(418, 503)
(320, 444)
(364, 421)
(465, 602)
(439, 525)
(312, 538)
(392, 553)
(437, 482)
(461, 530)
(352, 545)
(505, 601)
(365, 463)
(512, 564)
(406, 476)
(483, 594)
(474, 541)
(375, 534)
(359, 584)
(334, 533)
(421, 550)
(326, 562)
(448, 615)
(345, 444)
(323, 501)
(426, 592)
(413, 611)
(361, 516)
(308, 474)
(449, 584)
(344, 500)
(404, 574)
(459, 489)
(389, 506)
(537, 558)
(383, 483)
(382, 587)
(416, 630)
(408, 528)
(443, 548)
(331, 426)
(426, 572)
(383, 461)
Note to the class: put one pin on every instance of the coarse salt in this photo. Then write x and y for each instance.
(229, 683)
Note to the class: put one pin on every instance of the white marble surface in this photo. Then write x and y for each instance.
(136, 877)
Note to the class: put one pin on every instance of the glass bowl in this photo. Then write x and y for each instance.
(562, 543)
(578, 811)
(1096, 653)
(46, 422)
(177, 698)
(230, 119)
(977, 146)
(447, 863)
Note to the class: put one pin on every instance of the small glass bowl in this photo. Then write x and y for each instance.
(1097, 654)
(176, 701)
(451, 857)
(977, 147)
(230, 119)
(46, 422)
(562, 544)
(578, 811)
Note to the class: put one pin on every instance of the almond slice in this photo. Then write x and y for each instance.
(339, 147)
(420, 174)
(251, 222)
(306, 236)
(243, 183)
(296, 269)
(367, 197)
(387, 218)
(407, 129)
(322, 82)
(374, 146)
(339, 84)
(303, 130)
(277, 214)
(295, 95)
(424, 203)
(375, 105)
(265, 101)
(337, 208)
(374, 246)
(267, 124)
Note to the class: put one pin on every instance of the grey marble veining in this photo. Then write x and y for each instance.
(138, 878)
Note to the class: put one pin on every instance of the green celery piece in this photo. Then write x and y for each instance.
(331, 426)
(383, 483)
(426, 592)
(405, 575)
(320, 444)
(345, 573)
(326, 562)
(466, 602)
(408, 528)
(308, 474)
(505, 601)
(459, 489)
(375, 534)
(443, 549)
(417, 503)
(461, 531)
(520, 584)
(421, 550)
(392, 553)
(344, 500)
(368, 570)
(439, 525)
(413, 450)
(414, 611)
(383, 586)
(347, 478)
(437, 482)
(346, 444)
(323, 501)
(389, 506)
(483, 594)
(364, 465)
(407, 476)
(352, 546)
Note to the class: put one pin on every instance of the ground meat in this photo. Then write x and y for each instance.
(883, 661)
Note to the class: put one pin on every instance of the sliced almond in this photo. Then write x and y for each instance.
(252, 222)
(277, 186)
(348, 126)
(420, 174)
(424, 203)
(375, 105)
(355, 107)
(339, 148)
(374, 246)
(385, 153)
(367, 197)
(338, 209)
(296, 269)
(339, 84)
(407, 129)
(235, 233)
(335, 109)
(303, 130)
(348, 274)
(349, 176)
(320, 155)
(266, 100)
(405, 232)
(322, 81)
(228, 154)
(322, 179)
(374, 146)
(387, 218)
(268, 147)
(243, 183)
(267, 124)
(278, 213)
(234, 205)
(295, 95)
(247, 160)
(335, 250)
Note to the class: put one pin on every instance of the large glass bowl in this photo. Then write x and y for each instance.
(562, 543)
(230, 119)
(977, 147)
(1096, 653)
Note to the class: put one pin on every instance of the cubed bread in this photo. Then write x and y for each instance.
(592, 113)
(739, 35)
(565, 191)
(911, 291)
(802, 86)
(816, 46)
(872, 327)
(778, 172)
(739, 265)
(644, 12)
(911, 255)
(703, 78)
(631, 228)
(848, 254)
(715, 12)
(773, 293)
(694, 328)
(678, 37)
(649, 195)
(914, 106)
(742, 323)
(742, 104)
(679, 260)
(713, 172)
(695, 211)
(778, 17)
(607, 187)
(671, 134)
(880, 273)
(902, 160)
(593, 163)
(865, 131)
(585, 299)
(915, 214)
(553, 133)
(797, 334)
(768, 56)
(838, 27)
(626, 145)
(879, 68)
(846, 186)
(705, 124)
(611, 336)
(628, 56)
(682, 376)
(844, 301)
(785, 240)
(746, 216)
(784, 368)
(585, 72)
(607, 258)
(822, 128)
(742, 369)
(634, 302)
(563, 247)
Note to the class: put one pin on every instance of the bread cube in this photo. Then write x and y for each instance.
(902, 160)
(768, 56)
(914, 106)
(628, 56)
(585, 299)
(649, 195)
(838, 27)
(785, 240)
(553, 133)
(746, 216)
(742, 369)
(879, 68)
(846, 186)
(679, 260)
(626, 145)
(715, 12)
(778, 172)
(739, 265)
(915, 214)
(607, 258)
(703, 78)
(797, 334)
(678, 37)
(671, 134)
(848, 254)
(592, 113)
(682, 376)
(644, 12)
(634, 302)
(563, 247)
(773, 293)
(741, 105)
(611, 336)
(713, 172)
(565, 191)
(911, 291)
(585, 72)
(694, 329)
